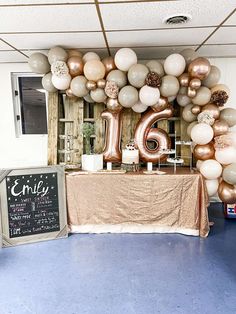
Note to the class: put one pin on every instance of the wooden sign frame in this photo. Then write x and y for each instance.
(7, 240)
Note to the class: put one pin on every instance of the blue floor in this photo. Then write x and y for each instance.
(126, 273)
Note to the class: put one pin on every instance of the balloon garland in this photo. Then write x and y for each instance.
(122, 82)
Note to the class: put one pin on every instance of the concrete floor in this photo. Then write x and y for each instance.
(126, 273)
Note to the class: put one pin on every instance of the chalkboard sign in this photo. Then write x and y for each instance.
(33, 205)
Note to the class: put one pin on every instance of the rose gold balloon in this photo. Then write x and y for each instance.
(195, 83)
(74, 53)
(191, 92)
(91, 85)
(196, 109)
(113, 105)
(213, 109)
(227, 193)
(220, 127)
(112, 151)
(199, 68)
(204, 152)
(109, 64)
(161, 105)
(184, 79)
(75, 65)
(101, 83)
(144, 133)
(70, 94)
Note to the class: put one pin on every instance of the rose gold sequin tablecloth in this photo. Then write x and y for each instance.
(138, 203)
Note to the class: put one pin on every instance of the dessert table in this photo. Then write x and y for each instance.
(138, 203)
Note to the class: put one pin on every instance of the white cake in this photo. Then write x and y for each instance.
(130, 156)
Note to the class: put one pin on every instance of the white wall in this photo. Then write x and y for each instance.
(28, 150)
(32, 150)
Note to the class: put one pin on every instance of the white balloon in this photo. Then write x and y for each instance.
(226, 155)
(149, 95)
(198, 164)
(212, 186)
(211, 169)
(125, 58)
(62, 82)
(174, 64)
(183, 100)
(90, 56)
(139, 107)
(171, 98)
(202, 133)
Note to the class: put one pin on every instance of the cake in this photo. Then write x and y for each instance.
(130, 155)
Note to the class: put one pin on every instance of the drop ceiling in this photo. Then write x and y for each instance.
(104, 26)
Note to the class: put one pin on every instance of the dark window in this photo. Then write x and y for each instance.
(32, 98)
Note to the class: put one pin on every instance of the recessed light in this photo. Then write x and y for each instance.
(177, 19)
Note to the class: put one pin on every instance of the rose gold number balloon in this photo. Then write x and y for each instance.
(144, 133)
(112, 151)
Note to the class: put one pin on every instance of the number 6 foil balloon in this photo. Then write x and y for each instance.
(144, 133)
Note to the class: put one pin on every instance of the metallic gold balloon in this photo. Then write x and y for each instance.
(91, 85)
(213, 109)
(220, 127)
(191, 92)
(144, 133)
(195, 83)
(113, 105)
(112, 151)
(161, 105)
(184, 79)
(109, 64)
(70, 94)
(74, 53)
(199, 68)
(196, 109)
(101, 83)
(204, 152)
(227, 193)
(75, 65)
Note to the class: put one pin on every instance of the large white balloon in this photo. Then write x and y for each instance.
(149, 95)
(202, 133)
(211, 169)
(212, 186)
(226, 155)
(139, 107)
(125, 58)
(62, 82)
(174, 64)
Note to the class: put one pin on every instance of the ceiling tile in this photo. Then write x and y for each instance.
(46, 41)
(4, 46)
(151, 14)
(155, 52)
(45, 18)
(218, 51)
(12, 56)
(224, 35)
(163, 37)
(30, 2)
(231, 20)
